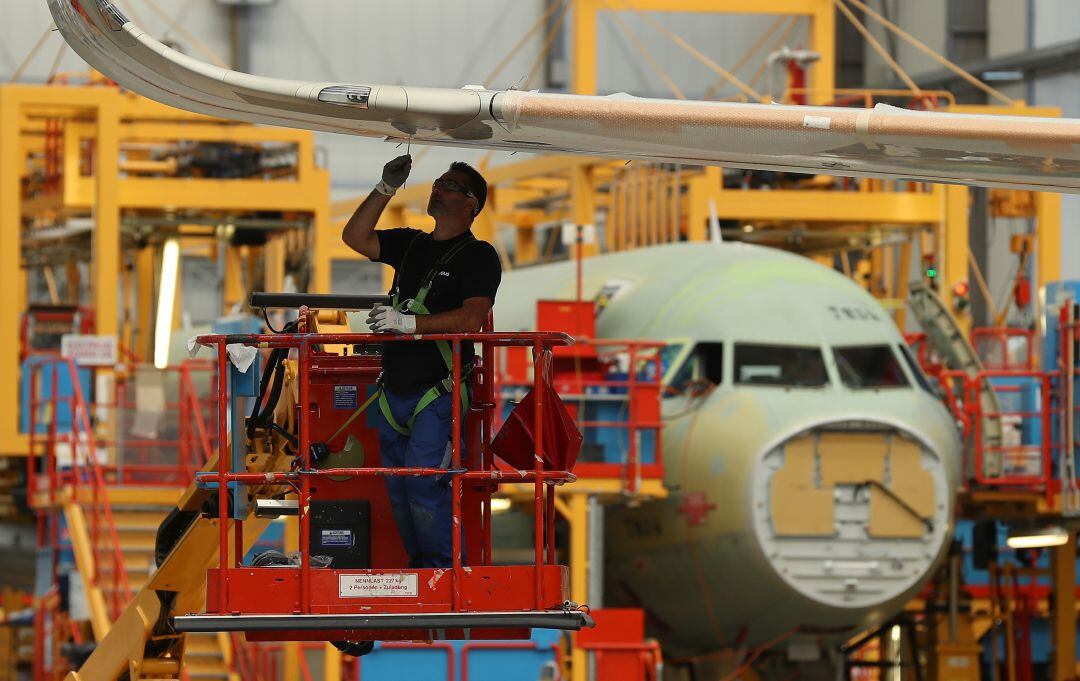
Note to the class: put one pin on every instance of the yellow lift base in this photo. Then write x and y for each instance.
(141, 642)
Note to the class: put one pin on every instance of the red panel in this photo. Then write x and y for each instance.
(390, 635)
(624, 665)
(276, 590)
(646, 402)
(516, 365)
(618, 641)
(614, 625)
(571, 317)
(615, 470)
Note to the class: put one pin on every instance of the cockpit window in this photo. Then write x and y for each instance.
(916, 370)
(704, 364)
(785, 365)
(869, 366)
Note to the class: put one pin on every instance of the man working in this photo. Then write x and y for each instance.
(444, 282)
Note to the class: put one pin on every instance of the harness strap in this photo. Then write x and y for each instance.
(445, 386)
(433, 393)
(355, 415)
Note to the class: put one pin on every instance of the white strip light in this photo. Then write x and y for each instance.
(1037, 538)
(170, 260)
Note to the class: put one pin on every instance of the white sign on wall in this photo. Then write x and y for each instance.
(89, 351)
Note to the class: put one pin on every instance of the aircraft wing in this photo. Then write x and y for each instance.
(988, 150)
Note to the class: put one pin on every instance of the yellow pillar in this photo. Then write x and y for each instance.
(583, 60)
(1063, 566)
(579, 570)
(954, 247)
(291, 649)
(106, 241)
(325, 234)
(11, 306)
(274, 264)
(583, 205)
(234, 276)
(823, 41)
(1047, 238)
(525, 249)
(72, 160)
(708, 185)
(144, 302)
(331, 663)
(900, 315)
(484, 226)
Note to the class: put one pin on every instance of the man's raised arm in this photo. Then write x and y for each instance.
(359, 232)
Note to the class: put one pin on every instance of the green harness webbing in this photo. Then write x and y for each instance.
(417, 306)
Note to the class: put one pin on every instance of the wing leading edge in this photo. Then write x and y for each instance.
(988, 150)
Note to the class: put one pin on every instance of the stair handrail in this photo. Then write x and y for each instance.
(80, 428)
(190, 398)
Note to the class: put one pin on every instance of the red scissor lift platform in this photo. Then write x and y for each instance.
(372, 595)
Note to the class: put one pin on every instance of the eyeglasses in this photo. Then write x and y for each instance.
(443, 184)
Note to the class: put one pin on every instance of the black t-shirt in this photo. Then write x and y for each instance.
(475, 271)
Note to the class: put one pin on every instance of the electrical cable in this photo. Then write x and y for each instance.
(742, 669)
(691, 546)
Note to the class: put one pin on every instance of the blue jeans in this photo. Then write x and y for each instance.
(422, 505)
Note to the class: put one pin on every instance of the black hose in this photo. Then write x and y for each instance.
(270, 385)
(170, 531)
(354, 648)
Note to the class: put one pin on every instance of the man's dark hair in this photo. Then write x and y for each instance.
(476, 183)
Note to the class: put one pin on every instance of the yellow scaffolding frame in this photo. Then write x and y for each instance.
(109, 117)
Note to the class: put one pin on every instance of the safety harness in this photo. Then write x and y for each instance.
(418, 306)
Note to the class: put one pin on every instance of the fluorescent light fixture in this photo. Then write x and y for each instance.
(1037, 537)
(1002, 76)
(500, 504)
(170, 261)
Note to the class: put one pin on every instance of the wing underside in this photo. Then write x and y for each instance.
(987, 150)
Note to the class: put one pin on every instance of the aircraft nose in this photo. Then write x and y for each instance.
(852, 513)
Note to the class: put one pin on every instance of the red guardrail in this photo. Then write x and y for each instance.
(308, 354)
(641, 397)
(84, 470)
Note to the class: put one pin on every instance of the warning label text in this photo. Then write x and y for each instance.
(377, 586)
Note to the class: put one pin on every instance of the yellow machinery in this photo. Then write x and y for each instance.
(94, 180)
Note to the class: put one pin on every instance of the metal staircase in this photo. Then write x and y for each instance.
(956, 352)
(205, 655)
(109, 531)
(141, 642)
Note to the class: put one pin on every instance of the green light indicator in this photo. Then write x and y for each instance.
(931, 272)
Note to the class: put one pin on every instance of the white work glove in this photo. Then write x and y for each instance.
(394, 175)
(385, 319)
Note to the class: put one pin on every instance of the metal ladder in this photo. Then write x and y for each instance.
(944, 335)
(1070, 493)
